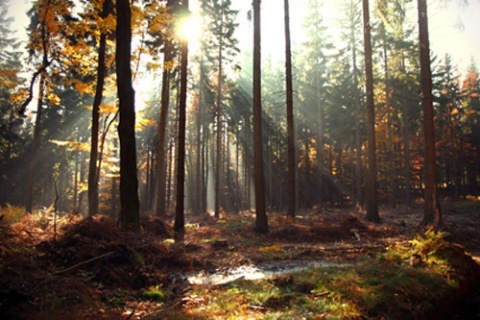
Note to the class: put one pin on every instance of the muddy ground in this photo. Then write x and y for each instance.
(76, 268)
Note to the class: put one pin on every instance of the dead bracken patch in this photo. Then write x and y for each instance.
(52, 268)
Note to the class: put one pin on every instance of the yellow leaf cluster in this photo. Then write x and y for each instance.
(107, 25)
(143, 123)
(79, 146)
(54, 99)
(108, 108)
(8, 78)
(18, 97)
(84, 88)
(169, 65)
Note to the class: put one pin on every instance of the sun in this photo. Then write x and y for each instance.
(191, 29)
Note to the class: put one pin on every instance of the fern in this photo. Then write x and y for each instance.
(427, 245)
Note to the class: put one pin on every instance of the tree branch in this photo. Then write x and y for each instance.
(84, 262)
(24, 105)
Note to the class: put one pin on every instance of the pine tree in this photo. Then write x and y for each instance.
(129, 201)
(179, 225)
(261, 221)
(432, 213)
(372, 205)
(290, 123)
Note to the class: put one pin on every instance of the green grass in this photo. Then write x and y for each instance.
(385, 287)
(153, 293)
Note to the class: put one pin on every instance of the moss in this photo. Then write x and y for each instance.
(153, 294)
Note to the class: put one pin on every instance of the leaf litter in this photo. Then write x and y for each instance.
(86, 268)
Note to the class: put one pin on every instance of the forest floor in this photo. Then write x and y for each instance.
(70, 267)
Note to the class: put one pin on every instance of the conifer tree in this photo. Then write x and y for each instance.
(432, 213)
(291, 193)
(372, 205)
(179, 225)
(261, 221)
(129, 200)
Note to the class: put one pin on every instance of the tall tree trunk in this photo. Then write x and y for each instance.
(432, 212)
(320, 143)
(169, 180)
(32, 168)
(162, 132)
(161, 199)
(197, 192)
(93, 178)
(179, 225)
(38, 120)
(391, 155)
(406, 139)
(406, 152)
(290, 124)
(129, 201)
(76, 175)
(358, 106)
(114, 189)
(198, 189)
(372, 205)
(261, 221)
(219, 162)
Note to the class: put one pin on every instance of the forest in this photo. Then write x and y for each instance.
(125, 119)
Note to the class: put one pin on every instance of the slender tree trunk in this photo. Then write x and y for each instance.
(198, 191)
(261, 223)
(82, 172)
(290, 124)
(358, 141)
(179, 225)
(406, 140)
(205, 171)
(129, 201)
(320, 143)
(75, 176)
(432, 212)
(97, 101)
(372, 206)
(32, 168)
(169, 181)
(391, 156)
(114, 190)
(161, 168)
(38, 120)
(219, 167)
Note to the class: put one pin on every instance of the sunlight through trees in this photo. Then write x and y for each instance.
(214, 137)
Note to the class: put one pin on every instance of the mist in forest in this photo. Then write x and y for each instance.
(328, 95)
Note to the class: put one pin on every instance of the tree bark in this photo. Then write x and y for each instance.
(291, 205)
(161, 207)
(38, 120)
(261, 221)
(37, 131)
(372, 206)
(101, 73)
(432, 212)
(219, 162)
(129, 201)
(179, 225)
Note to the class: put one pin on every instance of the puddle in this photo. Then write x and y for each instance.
(255, 272)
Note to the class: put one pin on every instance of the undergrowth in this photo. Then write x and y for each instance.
(389, 286)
